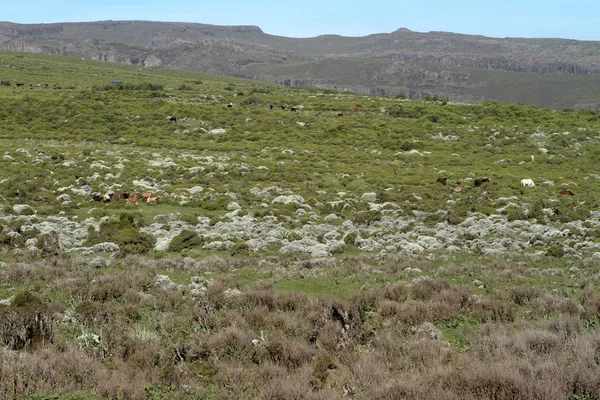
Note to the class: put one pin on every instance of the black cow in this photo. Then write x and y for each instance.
(480, 181)
(171, 118)
(442, 180)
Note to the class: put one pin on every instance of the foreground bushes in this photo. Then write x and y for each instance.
(114, 334)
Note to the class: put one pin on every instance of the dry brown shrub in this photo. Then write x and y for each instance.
(215, 296)
(442, 310)
(231, 344)
(565, 325)
(289, 301)
(541, 342)
(522, 295)
(364, 301)
(396, 292)
(256, 318)
(270, 371)
(495, 309)
(500, 380)
(426, 353)
(236, 381)
(292, 386)
(426, 288)
(549, 304)
(329, 336)
(388, 308)
(370, 370)
(459, 297)
(289, 353)
(412, 313)
(591, 304)
(261, 298)
(291, 325)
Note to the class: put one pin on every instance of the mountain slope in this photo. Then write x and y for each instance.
(554, 73)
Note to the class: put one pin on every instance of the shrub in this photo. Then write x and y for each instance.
(185, 240)
(367, 217)
(555, 251)
(125, 233)
(26, 323)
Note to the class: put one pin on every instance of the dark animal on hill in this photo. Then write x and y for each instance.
(339, 115)
(20, 84)
(294, 108)
(271, 106)
(105, 198)
(480, 181)
(456, 189)
(284, 107)
(229, 105)
(566, 192)
(171, 118)
(443, 181)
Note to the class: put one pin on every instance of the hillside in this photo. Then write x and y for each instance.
(167, 234)
(553, 73)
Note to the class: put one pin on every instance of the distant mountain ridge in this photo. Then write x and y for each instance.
(553, 73)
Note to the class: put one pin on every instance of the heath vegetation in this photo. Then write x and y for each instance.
(174, 236)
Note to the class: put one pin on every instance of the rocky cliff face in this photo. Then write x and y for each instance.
(501, 62)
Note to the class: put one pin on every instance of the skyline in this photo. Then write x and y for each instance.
(310, 18)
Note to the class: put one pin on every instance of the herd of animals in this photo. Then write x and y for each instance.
(481, 181)
(130, 197)
(133, 198)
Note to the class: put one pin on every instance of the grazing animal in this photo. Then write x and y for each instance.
(456, 189)
(171, 118)
(443, 181)
(97, 197)
(339, 115)
(271, 106)
(565, 192)
(294, 109)
(19, 84)
(284, 107)
(133, 198)
(355, 109)
(229, 105)
(147, 195)
(152, 200)
(527, 182)
(480, 181)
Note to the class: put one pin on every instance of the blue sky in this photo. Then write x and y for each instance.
(307, 18)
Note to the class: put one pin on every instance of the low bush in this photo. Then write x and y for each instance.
(185, 240)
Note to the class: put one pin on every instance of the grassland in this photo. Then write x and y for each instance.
(295, 254)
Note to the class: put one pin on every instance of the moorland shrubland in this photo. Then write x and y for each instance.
(274, 253)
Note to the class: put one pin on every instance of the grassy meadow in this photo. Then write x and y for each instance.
(306, 254)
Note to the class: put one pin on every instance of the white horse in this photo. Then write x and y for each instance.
(527, 182)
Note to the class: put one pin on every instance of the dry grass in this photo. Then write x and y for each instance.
(281, 345)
